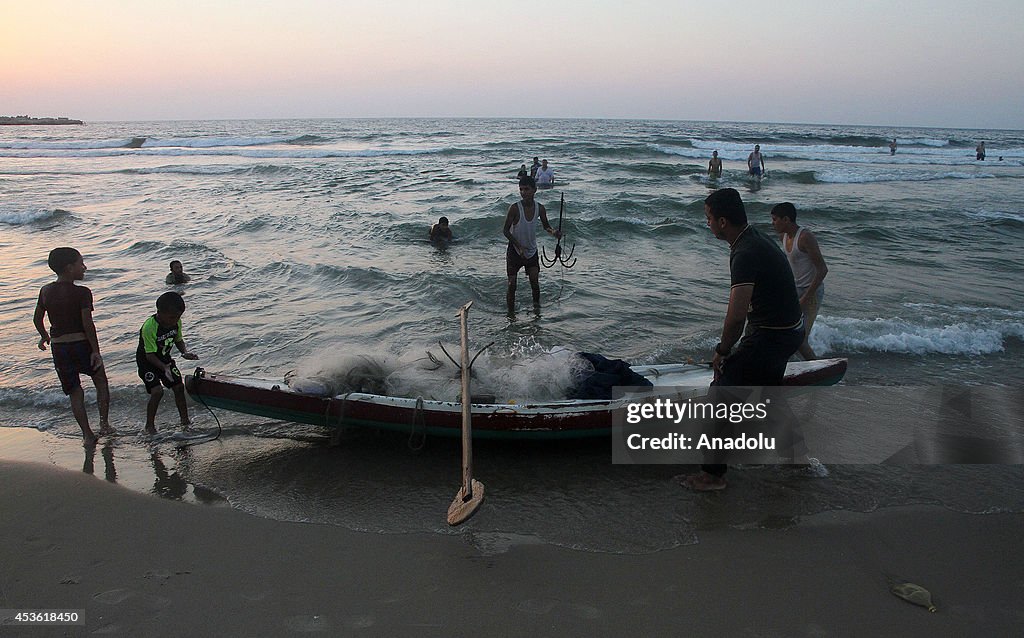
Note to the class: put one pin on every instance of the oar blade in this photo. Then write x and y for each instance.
(462, 508)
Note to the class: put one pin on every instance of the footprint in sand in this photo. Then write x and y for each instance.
(114, 596)
(255, 596)
(360, 622)
(160, 575)
(586, 612)
(537, 606)
(542, 606)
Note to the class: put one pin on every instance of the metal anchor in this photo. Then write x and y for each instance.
(565, 261)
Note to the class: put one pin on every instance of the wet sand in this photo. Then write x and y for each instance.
(144, 566)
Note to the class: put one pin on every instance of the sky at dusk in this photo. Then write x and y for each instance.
(905, 63)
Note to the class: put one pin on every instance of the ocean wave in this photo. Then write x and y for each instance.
(65, 145)
(877, 142)
(654, 169)
(840, 176)
(870, 141)
(185, 169)
(731, 151)
(15, 216)
(920, 141)
(214, 142)
(997, 216)
(960, 310)
(145, 247)
(234, 151)
(13, 398)
(308, 139)
(837, 334)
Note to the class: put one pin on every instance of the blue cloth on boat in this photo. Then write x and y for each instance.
(607, 373)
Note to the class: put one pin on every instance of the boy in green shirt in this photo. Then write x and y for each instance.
(153, 357)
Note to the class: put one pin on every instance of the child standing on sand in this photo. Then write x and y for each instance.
(153, 357)
(72, 337)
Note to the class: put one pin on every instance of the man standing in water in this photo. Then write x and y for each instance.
(809, 269)
(521, 230)
(545, 175)
(892, 147)
(980, 151)
(762, 294)
(755, 162)
(715, 165)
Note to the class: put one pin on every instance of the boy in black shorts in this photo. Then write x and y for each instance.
(153, 357)
(72, 337)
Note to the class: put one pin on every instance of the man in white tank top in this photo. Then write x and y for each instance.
(809, 269)
(521, 230)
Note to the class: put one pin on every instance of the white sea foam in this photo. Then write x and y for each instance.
(23, 397)
(838, 334)
(993, 215)
(848, 176)
(525, 376)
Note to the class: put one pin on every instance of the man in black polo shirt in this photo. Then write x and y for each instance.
(763, 294)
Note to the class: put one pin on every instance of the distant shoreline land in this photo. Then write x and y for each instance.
(21, 120)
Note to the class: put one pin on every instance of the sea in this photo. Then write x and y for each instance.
(306, 244)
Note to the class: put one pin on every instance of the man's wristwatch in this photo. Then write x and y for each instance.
(718, 350)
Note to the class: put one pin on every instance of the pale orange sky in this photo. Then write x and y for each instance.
(933, 63)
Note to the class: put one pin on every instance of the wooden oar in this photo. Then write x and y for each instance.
(471, 494)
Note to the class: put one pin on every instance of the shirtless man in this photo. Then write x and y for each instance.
(521, 231)
(755, 162)
(809, 269)
(980, 151)
(440, 233)
(715, 165)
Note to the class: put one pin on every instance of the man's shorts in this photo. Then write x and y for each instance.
(810, 309)
(153, 377)
(514, 261)
(755, 171)
(70, 360)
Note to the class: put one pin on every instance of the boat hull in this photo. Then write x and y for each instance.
(569, 419)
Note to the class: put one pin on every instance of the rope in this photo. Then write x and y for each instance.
(336, 435)
(419, 416)
(199, 397)
(561, 285)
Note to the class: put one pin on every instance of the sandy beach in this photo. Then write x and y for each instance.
(144, 566)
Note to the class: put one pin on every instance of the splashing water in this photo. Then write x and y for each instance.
(525, 376)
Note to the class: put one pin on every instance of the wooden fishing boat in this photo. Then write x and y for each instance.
(563, 419)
